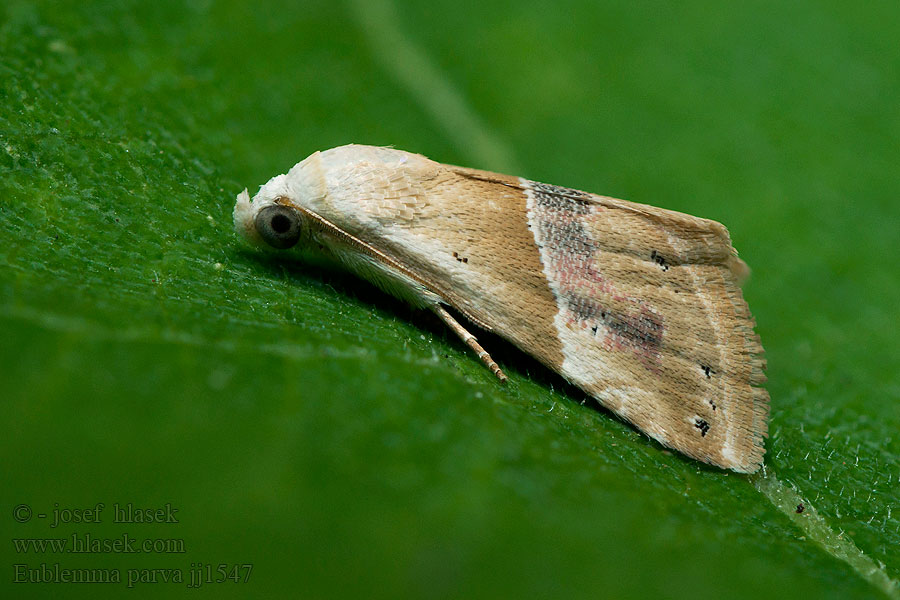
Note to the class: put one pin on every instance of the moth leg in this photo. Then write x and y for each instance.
(470, 341)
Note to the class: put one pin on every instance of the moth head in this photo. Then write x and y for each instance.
(276, 217)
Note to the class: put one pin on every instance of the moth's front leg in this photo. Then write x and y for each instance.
(470, 341)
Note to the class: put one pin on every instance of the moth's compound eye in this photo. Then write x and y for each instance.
(279, 226)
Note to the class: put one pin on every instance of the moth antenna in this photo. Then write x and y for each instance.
(470, 341)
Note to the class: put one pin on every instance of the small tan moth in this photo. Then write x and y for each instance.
(638, 306)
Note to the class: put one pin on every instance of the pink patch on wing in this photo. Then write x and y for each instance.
(558, 215)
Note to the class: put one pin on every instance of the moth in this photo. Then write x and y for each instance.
(640, 307)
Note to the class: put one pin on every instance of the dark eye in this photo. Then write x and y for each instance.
(279, 226)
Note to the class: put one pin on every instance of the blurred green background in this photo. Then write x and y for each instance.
(347, 446)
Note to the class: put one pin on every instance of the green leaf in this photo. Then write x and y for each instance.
(345, 445)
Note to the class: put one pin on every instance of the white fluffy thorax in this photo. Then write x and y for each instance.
(351, 186)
